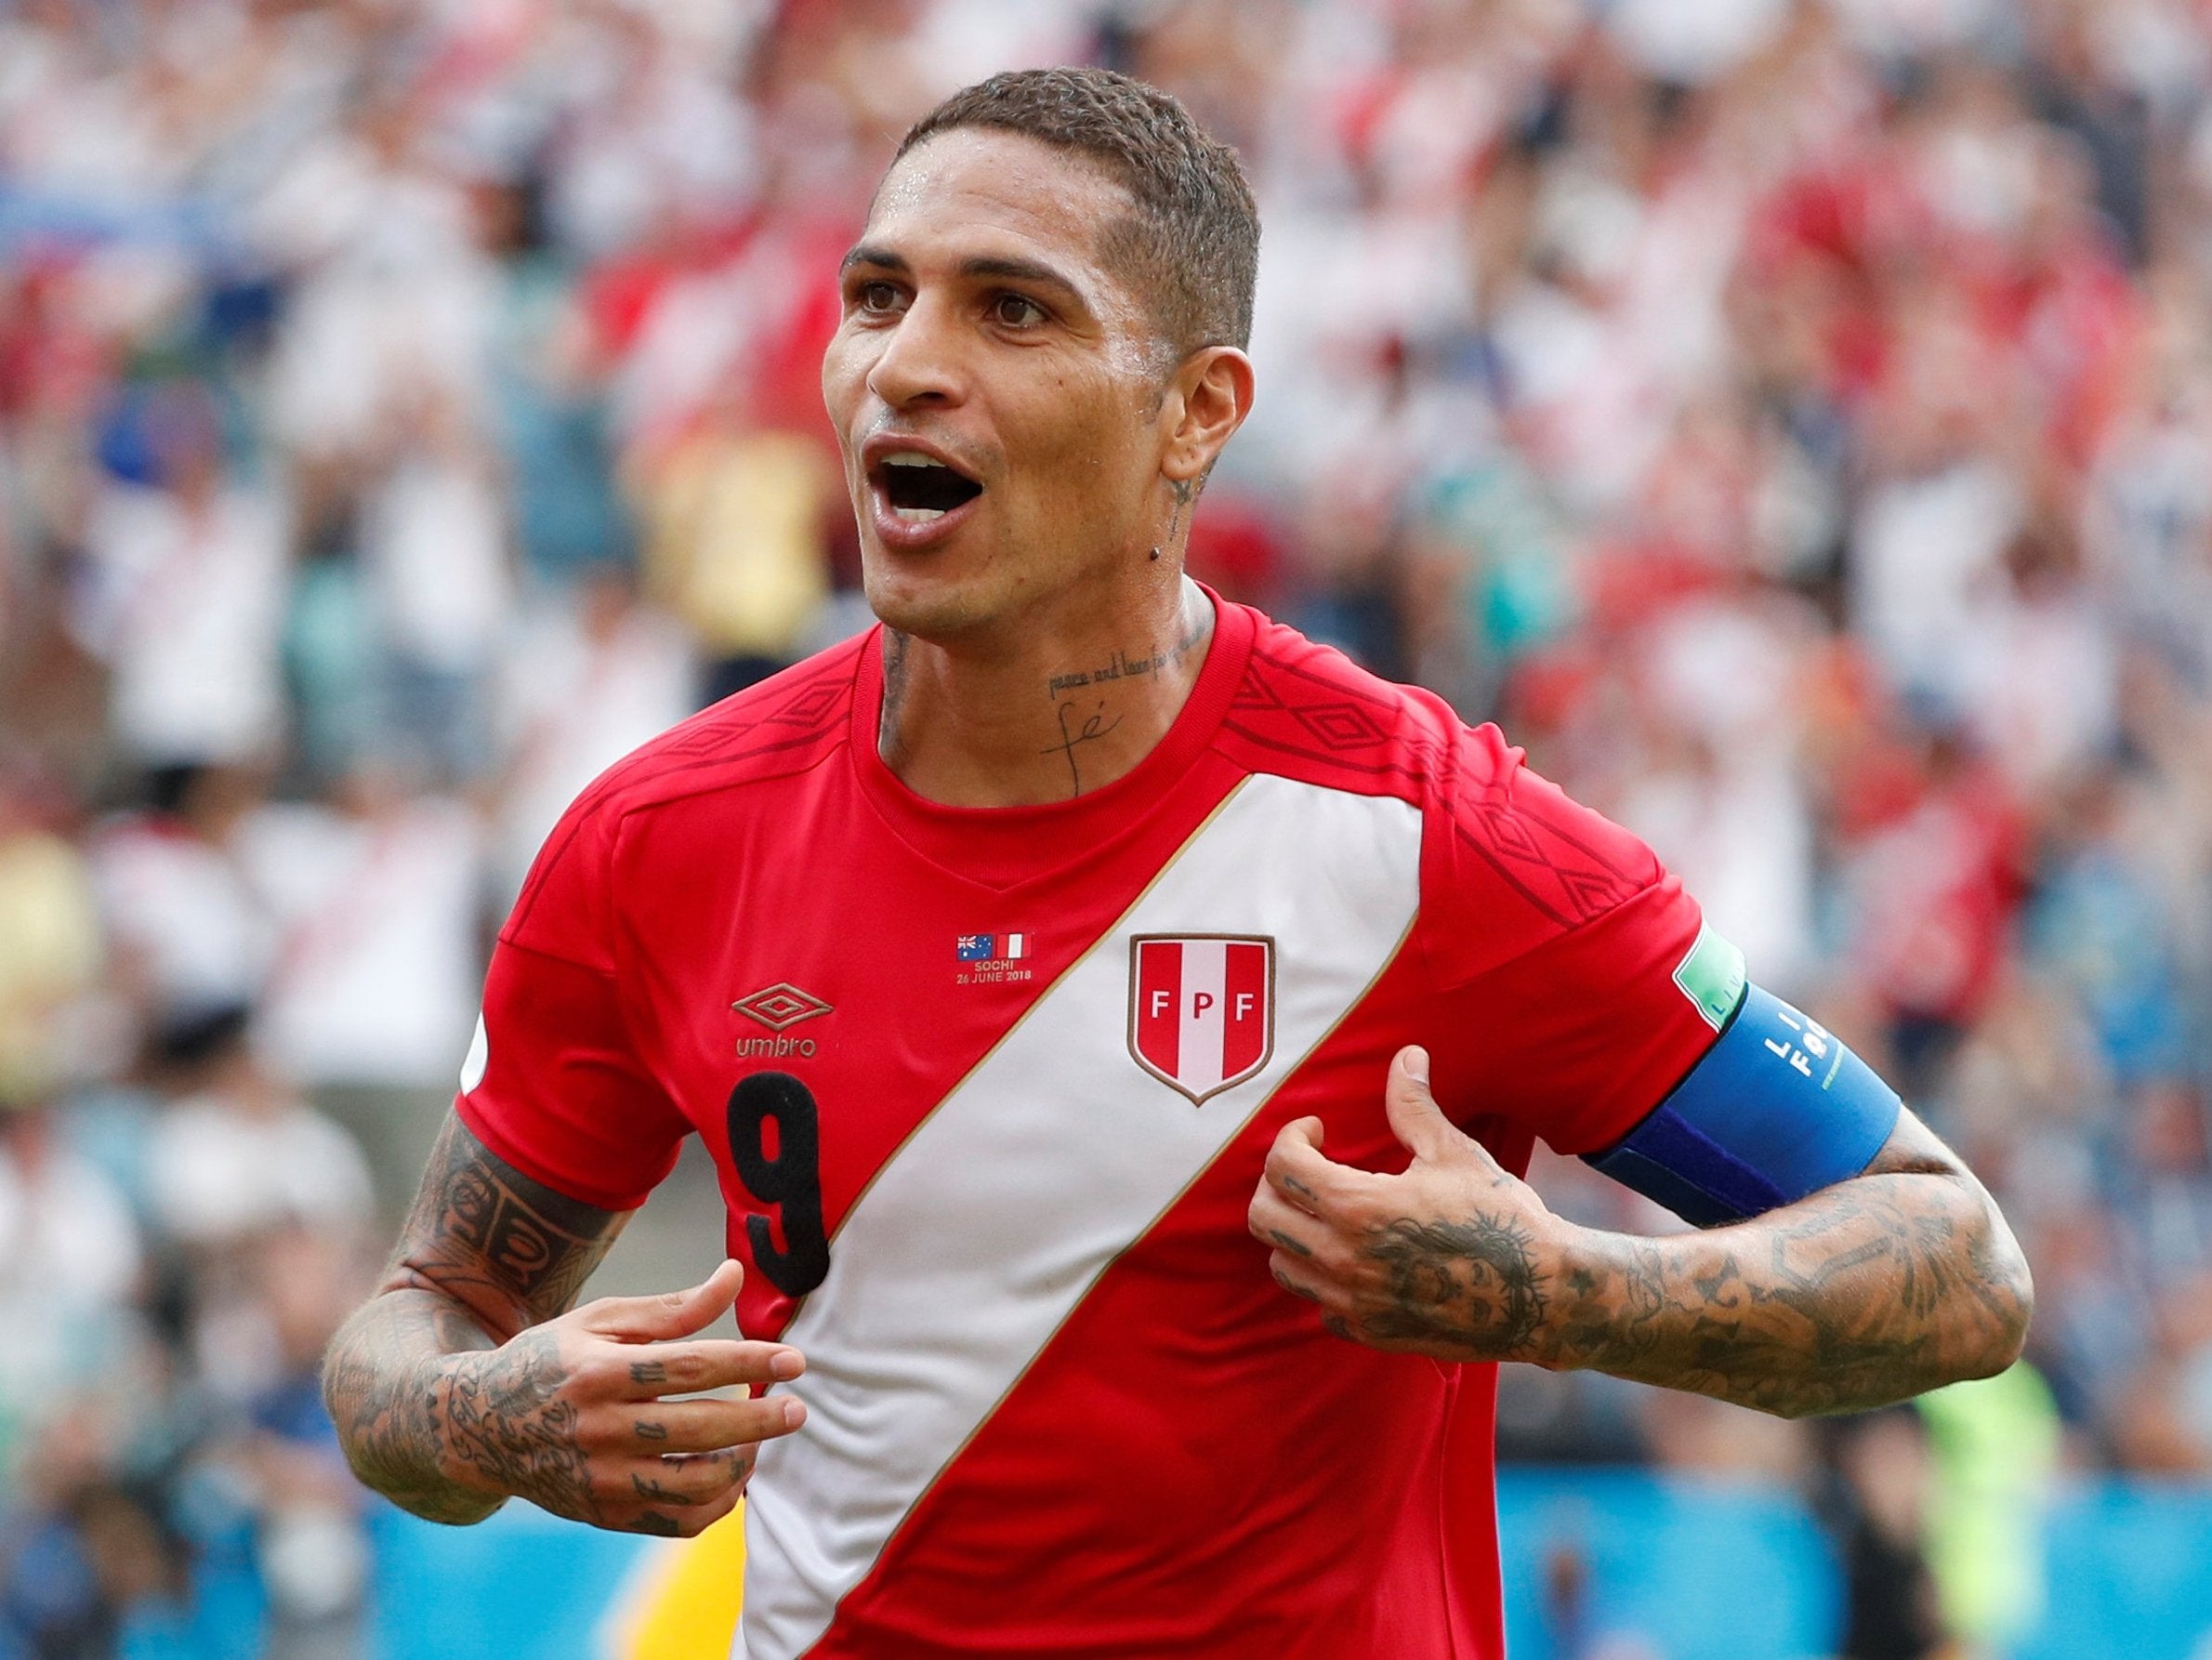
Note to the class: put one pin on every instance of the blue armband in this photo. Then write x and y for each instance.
(1778, 1108)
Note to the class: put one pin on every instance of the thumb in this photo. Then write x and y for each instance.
(1418, 1123)
(670, 1314)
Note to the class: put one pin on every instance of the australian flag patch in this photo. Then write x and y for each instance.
(991, 948)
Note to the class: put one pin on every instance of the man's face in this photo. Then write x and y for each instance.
(995, 386)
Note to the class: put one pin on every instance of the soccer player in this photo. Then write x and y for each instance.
(1066, 971)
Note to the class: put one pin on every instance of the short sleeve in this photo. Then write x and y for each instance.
(553, 1086)
(1555, 941)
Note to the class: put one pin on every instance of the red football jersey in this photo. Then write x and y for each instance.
(989, 1091)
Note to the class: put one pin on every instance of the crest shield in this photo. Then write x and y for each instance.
(1202, 1009)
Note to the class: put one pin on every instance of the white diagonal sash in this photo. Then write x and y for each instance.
(1058, 1152)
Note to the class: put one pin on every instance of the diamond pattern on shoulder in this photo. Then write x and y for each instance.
(1330, 713)
(1254, 692)
(1547, 864)
(1342, 725)
(814, 702)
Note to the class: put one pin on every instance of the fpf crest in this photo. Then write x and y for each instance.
(1202, 1009)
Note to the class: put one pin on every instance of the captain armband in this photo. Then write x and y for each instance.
(1778, 1108)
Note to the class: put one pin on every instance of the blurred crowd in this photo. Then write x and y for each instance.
(1792, 420)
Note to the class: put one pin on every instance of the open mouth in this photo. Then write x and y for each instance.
(920, 488)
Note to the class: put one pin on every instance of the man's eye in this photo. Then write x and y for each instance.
(877, 296)
(1017, 310)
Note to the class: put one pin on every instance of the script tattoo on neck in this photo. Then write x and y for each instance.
(1121, 666)
(1088, 729)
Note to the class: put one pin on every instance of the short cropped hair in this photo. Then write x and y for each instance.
(1192, 246)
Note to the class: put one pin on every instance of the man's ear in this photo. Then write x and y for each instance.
(1207, 401)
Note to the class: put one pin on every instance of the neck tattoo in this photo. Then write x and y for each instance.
(1076, 730)
(1122, 667)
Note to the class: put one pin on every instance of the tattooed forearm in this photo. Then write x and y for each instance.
(383, 1383)
(1866, 1293)
(485, 1253)
(1880, 1287)
(1895, 1282)
(468, 1379)
(508, 1248)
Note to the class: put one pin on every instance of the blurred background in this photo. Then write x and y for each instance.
(1792, 420)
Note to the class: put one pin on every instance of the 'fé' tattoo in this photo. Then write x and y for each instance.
(1075, 731)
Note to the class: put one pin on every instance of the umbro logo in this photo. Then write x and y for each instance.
(781, 1005)
(778, 1007)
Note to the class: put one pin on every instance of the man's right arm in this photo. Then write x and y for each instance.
(468, 1378)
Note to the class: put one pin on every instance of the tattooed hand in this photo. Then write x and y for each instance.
(466, 1379)
(1449, 1258)
(573, 1414)
(1898, 1279)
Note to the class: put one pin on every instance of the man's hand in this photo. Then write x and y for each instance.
(1450, 1259)
(1898, 1279)
(573, 1414)
(467, 1379)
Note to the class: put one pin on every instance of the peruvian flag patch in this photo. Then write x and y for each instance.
(1202, 1009)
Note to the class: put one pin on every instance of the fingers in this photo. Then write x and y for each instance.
(657, 1427)
(670, 1503)
(675, 1468)
(1306, 1177)
(674, 1523)
(670, 1314)
(647, 1371)
(1275, 1222)
(1418, 1123)
(1285, 1271)
(697, 1479)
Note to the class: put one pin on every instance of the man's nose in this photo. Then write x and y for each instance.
(921, 361)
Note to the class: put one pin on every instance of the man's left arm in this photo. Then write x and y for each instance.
(1882, 1284)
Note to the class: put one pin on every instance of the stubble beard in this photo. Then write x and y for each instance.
(938, 612)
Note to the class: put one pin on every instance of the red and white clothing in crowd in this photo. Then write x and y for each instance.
(584, 685)
(185, 604)
(183, 917)
(375, 914)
